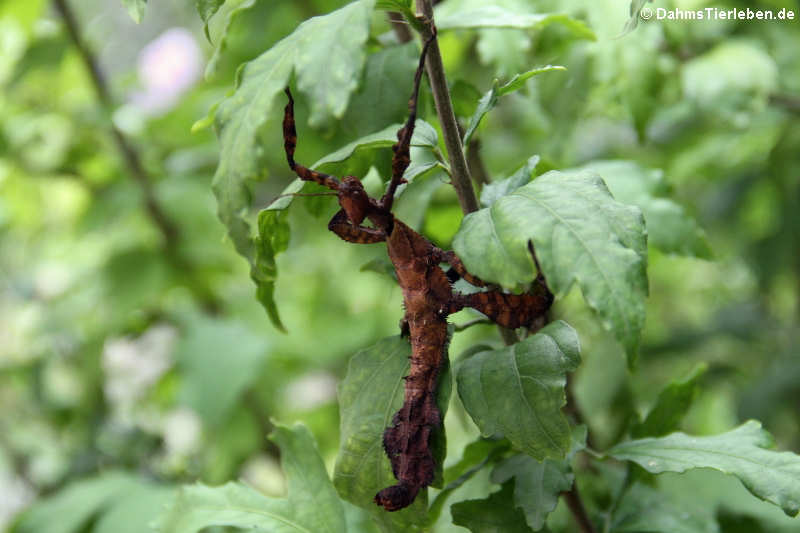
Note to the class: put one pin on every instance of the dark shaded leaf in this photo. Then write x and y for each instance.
(518, 391)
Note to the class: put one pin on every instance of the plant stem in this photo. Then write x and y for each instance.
(575, 504)
(444, 109)
(168, 229)
(400, 26)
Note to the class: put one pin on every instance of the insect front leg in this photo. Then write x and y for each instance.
(289, 144)
(346, 231)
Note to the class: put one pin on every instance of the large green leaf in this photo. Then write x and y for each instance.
(672, 404)
(503, 187)
(489, 100)
(518, 390)
(669, 228)
(369, 396)
(580, 234)
(742, 452)
(326, 53)
(218, 361)
(311, 506)
(537, 485)
(495, 514)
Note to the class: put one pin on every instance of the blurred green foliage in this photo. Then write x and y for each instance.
(129, 367)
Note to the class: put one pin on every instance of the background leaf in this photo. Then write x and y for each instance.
(489, 100)
(580, 234)
(451, 16)
(669, 228)
(518, 391)
(742, 452)
(218, 361)
(671, 406)
(119, 500)
(644, 509)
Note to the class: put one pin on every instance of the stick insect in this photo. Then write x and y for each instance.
(428, 297)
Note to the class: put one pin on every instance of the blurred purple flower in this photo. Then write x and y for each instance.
(168, 66)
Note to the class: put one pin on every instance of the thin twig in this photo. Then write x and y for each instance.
(133, 161)
(575, 504)
(447, 118)
(400, 26)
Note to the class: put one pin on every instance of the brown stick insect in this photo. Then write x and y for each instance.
(428, 297)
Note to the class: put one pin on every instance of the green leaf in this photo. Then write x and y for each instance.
(742, 452)
(369, 396)
(136, 511)
(495, 514)
(489, 100)
(326, 53)
(644, 509)
(507, 49)
(382, 97)
(424, 135)
(136, 9)
(311, 506)
(518, 390)
(669, 228)
(393, 5)
(580, 234)
(218, 359)
(732, 76)
(672, 404)
(207, 9)
(476, 455)
(273, 238)
(71, 508)
(454, 17)
(503, 187)
(537, 485)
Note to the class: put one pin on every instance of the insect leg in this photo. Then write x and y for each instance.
(508, 310)
(289, 144)
(342, 227)
(458, 267)
(401, 149)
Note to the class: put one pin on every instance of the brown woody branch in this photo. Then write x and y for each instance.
(132, 159)
(444, 109)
